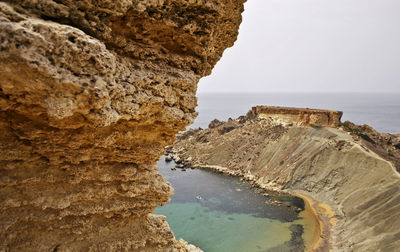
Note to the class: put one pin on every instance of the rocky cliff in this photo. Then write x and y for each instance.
(298, 116)
(357, 192)
(90, 94)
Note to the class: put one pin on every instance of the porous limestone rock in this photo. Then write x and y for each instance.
(90, 94)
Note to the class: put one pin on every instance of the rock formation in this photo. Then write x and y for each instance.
(385, 145)
(298, 116)
(90, 94)
(329, 164)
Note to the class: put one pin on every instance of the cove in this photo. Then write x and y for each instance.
(220, 213)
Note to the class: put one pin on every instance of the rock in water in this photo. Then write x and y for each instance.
(90, 94)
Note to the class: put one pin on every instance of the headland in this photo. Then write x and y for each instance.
(353, 190)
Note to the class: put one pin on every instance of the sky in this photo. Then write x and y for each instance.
(312, 46)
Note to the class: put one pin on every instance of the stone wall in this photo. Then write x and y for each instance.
(90, 94)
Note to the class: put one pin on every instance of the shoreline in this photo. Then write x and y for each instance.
(322, 213)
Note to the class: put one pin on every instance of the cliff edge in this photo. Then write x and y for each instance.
(90, 94)
(298, 116)
(355, 191)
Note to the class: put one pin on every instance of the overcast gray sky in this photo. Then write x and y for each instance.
(312, 46)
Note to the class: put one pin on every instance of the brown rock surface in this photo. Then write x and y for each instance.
(299, 116)
(386, 145)
(327, 164)
(90, 94)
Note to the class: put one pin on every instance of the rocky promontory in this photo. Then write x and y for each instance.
(298, 116)
(344, 171)
(90, 94)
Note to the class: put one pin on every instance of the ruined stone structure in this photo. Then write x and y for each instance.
(90, 94)
(298, 116)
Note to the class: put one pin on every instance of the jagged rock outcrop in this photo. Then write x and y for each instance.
(329, 164)
(386, 145)
(90, 94)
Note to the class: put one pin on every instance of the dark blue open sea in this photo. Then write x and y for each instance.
(381, 111)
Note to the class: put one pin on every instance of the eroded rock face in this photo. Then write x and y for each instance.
(90, 94)
(298, 116)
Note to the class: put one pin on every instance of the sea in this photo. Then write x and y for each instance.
(220, 213)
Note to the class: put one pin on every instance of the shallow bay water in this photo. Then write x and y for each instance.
(221, 213)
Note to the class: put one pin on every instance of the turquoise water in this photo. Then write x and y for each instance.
(220, 213)
(220, 231)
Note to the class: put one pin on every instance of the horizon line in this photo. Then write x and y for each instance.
(297, 92)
